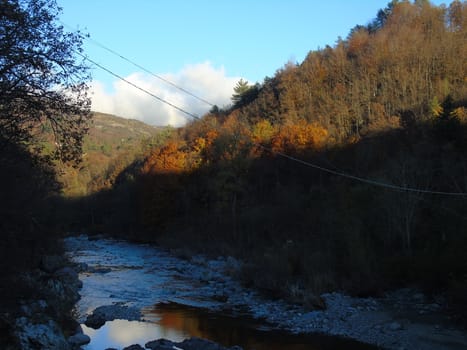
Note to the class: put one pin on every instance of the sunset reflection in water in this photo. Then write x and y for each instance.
(121, 333)
(178, 322)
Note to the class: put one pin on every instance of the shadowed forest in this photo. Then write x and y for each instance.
(383, 112)
(387, 104)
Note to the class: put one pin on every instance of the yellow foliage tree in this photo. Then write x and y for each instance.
(299, 136)
(263, 131)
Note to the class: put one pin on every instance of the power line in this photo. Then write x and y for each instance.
(142, 68)
(284, 155)
(153, 74)
(361, 179)
(138, 87)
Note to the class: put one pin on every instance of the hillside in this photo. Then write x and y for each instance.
(116, 130)
(386, 107)
(111, 144)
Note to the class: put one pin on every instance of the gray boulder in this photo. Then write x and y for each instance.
(134, 347)
(201, 344)
(95, 321)
(188, 344)
(160, 344)
(78, 339)
(33, 336)
(51, 263)
(111, 312)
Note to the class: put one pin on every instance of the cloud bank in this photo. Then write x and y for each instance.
(201, 79)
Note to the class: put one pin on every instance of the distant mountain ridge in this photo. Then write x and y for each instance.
(112, 143)
(112, 125)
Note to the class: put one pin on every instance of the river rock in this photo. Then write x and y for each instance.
(81, 267)
(51, 263)
(160, 344)
(95, 321)
(193, 343)
(395, 326)
(64, 292)
(111, 312)
(34, 307)
(66, 273)
(78, 339)
(40, 336)
(70, 277)
(134, 347)
(99, 269)
(199, 344)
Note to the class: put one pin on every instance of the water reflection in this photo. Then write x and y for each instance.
(121, 333)
(177, 322)
(246, 332)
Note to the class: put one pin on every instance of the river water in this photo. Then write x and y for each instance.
(180, 299)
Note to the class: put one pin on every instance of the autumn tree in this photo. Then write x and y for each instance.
(42, 86)
(162, 182)
(299, 136)
(41, 80)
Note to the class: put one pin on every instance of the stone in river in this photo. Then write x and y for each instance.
(79, 339)
(188, 344)
(134, 347)
(111, 312)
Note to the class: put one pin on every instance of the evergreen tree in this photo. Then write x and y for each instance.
(244, 93)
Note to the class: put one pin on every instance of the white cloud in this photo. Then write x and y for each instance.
(201, 79)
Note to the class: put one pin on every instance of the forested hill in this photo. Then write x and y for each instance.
(397, 69)
(112, 143)
(116, 129)
(385, 106)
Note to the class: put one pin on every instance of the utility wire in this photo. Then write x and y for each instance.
(95, 42)
(361, 179)
(194, 116)
(284, 155)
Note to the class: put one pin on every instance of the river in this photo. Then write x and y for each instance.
(181, 298)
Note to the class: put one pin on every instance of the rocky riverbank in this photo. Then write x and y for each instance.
(188, 344)
(44, 319)
(117, 273)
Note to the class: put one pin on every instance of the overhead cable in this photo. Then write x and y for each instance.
(284, 155)
(142, 68)
(361, 179)
(138, 87)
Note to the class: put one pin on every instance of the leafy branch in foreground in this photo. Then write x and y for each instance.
(41, 81)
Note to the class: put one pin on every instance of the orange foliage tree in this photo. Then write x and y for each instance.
(299, 137)
(162, 183)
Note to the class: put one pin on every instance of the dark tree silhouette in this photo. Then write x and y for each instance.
(41, 81)
(43, 87)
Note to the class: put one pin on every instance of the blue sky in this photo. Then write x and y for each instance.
(203, 45)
